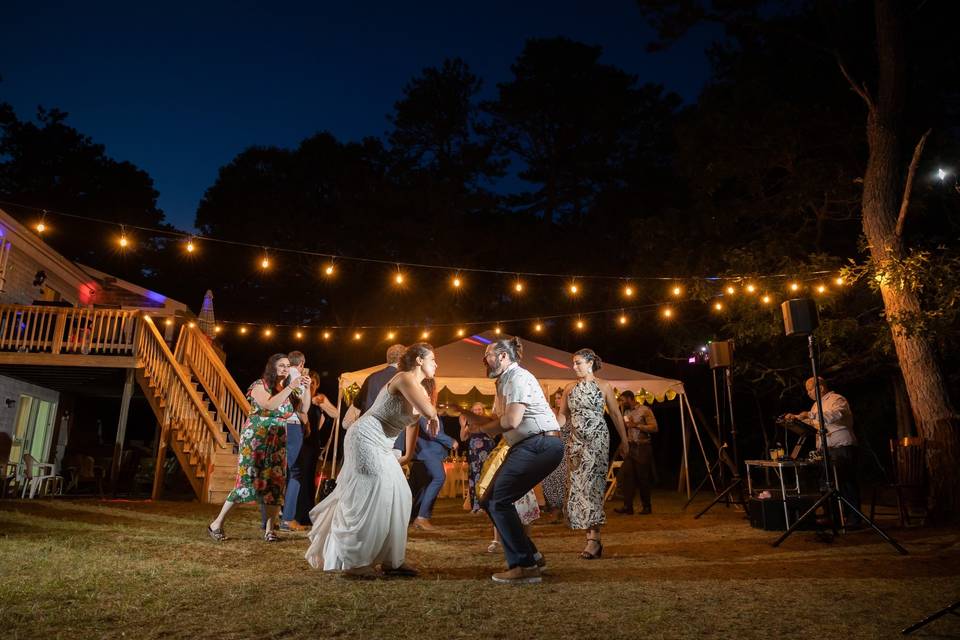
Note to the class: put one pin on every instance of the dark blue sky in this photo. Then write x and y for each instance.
(180, 89)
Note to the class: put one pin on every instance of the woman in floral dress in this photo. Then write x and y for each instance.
(261, 472)
(479, 446)
(588, 447)
(555, 484)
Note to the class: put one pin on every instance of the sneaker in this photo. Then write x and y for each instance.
(518, 575)
(541, 562)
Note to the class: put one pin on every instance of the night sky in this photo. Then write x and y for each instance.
(180, 90)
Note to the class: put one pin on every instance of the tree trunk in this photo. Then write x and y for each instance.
(882, 186)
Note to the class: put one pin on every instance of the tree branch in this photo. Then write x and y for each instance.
(908, 188)
(860, 88)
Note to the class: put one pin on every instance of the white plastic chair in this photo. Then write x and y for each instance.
(39, 477)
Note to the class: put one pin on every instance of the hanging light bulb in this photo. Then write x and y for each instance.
(628, 291)
(839, 281)
(41, 226)
(267, 333)
(424, 335)
(751, 288)
(518, 285)
(622, 319)
(718, 306)
(667, 312)
(580, 325)
(265, 261)
(574, 288)
(357, 335)
(677, 290)
(217, 329)
(398, 278)
(794, 286)
(461, 333)
(191, 324)
(730, 289)
(243, 330)
(298, 335)
(821, 289)
(328, 270)
(190, 247)
(765, 299)
(496, 330)
(391, 335)
(538, 327)
(168, 322)
(457, 282)
(124, 242)
(326, 335)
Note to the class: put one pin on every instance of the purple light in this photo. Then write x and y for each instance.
(482, 339)
(692, 360)
(156, 297)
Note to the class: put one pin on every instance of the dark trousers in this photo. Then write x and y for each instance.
(636, 474)
(418, 480)
(294, 470)
(846, 464)
(429, 493)
(527, 463)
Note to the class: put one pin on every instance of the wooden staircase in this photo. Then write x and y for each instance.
(198, 405)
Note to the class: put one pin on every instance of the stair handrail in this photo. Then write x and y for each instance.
(195, 352)
(165, 369)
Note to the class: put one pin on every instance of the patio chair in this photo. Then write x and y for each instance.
(8, 470)
(84, 470)
(612, 479)
(39, 478)
(907, 477)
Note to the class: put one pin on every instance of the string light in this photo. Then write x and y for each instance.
(628, 291)
(622, 319)
(267, 332)
(190, 247)
(398, 278)
(496, 330)
(794, 286)
(731, 290)
(574, 288)
(460, 333)
(518, 285)
(765, 299)
(168, 322)
(424, 335)
(191, 324)
(217, 329)
(41, 226)
(667, 312)
(243, 330)
(299, 334)
(357, 335)
(391, 335)
(265, 261)
(457, 282)
(839, 281)
(538, 327)
(751, 288)
(328, 270)
(821, 289)
(677, 290)
(326, 335)
(718, 306)
(124, 243)
(580, 325)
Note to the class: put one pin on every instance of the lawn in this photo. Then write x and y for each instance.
(88, 569)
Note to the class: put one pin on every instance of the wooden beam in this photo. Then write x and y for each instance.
(65, 360)
(160, 459)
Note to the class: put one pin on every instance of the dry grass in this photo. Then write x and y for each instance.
(147, 570)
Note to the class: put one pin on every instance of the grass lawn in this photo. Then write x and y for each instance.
(90, 569)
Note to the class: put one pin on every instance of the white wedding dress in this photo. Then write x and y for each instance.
(363, 522)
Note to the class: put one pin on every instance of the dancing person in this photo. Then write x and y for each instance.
(262, 463)
(375, 381)
(588, 449)
(298, 430)
(527, 507)
(844, 451)
(636, 473)
(479, 446)
(319, 410)
(555, 484)
(522, 415)
(431, 451)
(363, 522)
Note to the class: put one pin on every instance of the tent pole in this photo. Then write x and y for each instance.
(686, 437)
(336, 427)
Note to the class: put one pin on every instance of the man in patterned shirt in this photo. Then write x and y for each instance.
(637, 469)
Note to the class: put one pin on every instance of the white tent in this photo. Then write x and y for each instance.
(460, 369)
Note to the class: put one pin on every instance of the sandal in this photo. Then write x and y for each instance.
(492, 548)
(271, 536)
(586, 555)
(217, 534)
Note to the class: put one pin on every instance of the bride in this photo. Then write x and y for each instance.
(363, 522)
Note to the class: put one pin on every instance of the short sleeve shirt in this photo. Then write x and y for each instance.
(641, 414)
(517, 385)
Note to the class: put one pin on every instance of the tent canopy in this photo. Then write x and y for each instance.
(460, 369)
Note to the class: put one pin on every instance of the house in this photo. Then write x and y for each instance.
(72, 336)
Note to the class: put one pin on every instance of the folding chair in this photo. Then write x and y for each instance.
(907, 476)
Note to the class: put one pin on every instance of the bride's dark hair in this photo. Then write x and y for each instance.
(408, 361)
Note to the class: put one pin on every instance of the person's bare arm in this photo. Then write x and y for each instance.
(271, 402)
(614, 408)
(491, 425)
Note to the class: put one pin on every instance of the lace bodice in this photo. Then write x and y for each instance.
(391, 411)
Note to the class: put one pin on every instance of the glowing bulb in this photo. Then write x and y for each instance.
(518, 287)
(124, 242)
(243, 329)
(328, 270)
(677, 291)
(168, 322)
(460, 333)
(622, 319)
(765, 299)
(391, 335)
(299, 334)
(265, 263)
(794, 286)
(538, 327)
(839, 281)
(580, 324)
(941, 174)
(821, 289)
(751, 288)
(191, 325)
(398, 278)
(357, 336)
(41, 227)
(190, 246)
(217, 329)
(628, 291)
(718, 306)
(268, 332)
(668, 312)
(424, 335)
(574, 289)
(496, 330)
(456, 282)
(326, 335)
(731, 290)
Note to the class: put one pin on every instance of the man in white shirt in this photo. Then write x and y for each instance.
(844, 452)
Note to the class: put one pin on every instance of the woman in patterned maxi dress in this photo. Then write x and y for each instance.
(261, 471)
(479, 446)
(588, 447)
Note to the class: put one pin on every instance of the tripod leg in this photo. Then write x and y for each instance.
(733, 485)
(930, 618)
(807, 514)
(893, 543)
(700, 486)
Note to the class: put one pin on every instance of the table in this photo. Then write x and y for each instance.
(789, 487)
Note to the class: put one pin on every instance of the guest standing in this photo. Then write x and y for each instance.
(375, 381)
(298, 430)
(262, 464)
(555, 484)
(479, 446)
(432, 450)
(637, 469)
(588, 447)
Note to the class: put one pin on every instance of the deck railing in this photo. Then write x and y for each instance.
(57, 330)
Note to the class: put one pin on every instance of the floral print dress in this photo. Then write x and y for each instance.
(262, 470)
(479, 447)
(587, 451)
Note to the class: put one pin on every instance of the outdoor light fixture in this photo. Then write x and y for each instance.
(328, 270)
(628, 291)
(751, 288)
(677, 290)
